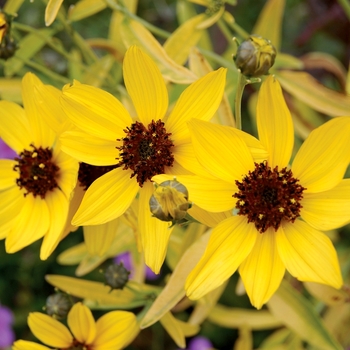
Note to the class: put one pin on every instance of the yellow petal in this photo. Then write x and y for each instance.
(41, 134)
(95, 111)
(14, 128)
(210, 194)
(200, 100)
(7, 175)
(154, 233)
(32, 223)
(308, 254)
(115, 330)
(82, 323)
(230, 243)
(98, 238)
(11, 200)
(107, 198)
(28, 345)
(51, 11)
(145, 85)
(328, 210)
(262, 271)
(207, 218)
(58, 205)
(49, 331)
(274, 123)
(89, 149)
(323, 158)
(220, 150)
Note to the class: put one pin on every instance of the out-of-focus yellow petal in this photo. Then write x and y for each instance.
(32, 223)
(323, 158)
(275, 124)
(28, 345)
(7, 175)
(11, 200)
(14, 127)
(51, 11)
(41, 134)
(208, 218)
(328, 210)
(220, 150)
(230, 243)
(262, 271)
(115, 330)
(49, 331)
(98, 238)
(208, 193)
(107, 198)
(145, 85)
(200, 100)
(89, 149)
(154, 232)
(58, 205)
(82, 323)
(308, 254)
(95, 111)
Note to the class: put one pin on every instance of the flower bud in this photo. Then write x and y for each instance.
(116, 276)
(58, 305)
(169, 201)
(8, 46)
(255, 56)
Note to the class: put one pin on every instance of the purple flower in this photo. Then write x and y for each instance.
(6, 152)
(126, 259)
(7, 336)
(200, 343)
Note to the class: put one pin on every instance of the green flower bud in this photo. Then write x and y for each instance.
(169, 201)
(58, 305)
(255, 56)
(8, 46)
(116, 276)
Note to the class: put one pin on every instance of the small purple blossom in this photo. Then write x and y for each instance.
(200, 343)
(6, 152)
(7, 335)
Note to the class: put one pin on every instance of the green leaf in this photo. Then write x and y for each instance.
(234, 318)
(51, 11)
(269, 23)
(286, 61)
(28, 47)
(12, 6)
(298, 314)
(85, 8)
(306, 88)
(98, 72)
(327, 294)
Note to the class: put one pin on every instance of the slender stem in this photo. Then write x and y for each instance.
(242, 81)
(218, 59)
(237, 28)
(153, 29)
(345, 4)
(223, 26)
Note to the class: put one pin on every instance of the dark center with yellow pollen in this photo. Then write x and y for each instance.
(145, 150)
(268, 196)
(78, 346)
(89, 173)
(37, 172)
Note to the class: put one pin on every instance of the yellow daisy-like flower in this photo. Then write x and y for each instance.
(35, 187)
(267, 235)
(112, 331)
(150, 145)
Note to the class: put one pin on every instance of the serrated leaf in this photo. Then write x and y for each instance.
(28, 47)
(306, 88)
(85, 8)
(51, 11)
(298, 314)
(269, 23)
(10, 89)
(234, 317)
(174, 290)
(134, 33)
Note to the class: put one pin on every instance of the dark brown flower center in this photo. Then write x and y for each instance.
(89, 173)
(146, 151)
(78, 346)
(37, 173)
(268, 196)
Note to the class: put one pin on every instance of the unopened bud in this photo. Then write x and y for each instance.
(58, 305)
(169, 201)
(116, 276)
(255, 56)
(8, 45)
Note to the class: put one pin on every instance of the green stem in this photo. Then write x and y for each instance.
(153, 29)
(242, 82)
(223, 26)
(345, 4)
(237, 28)
(218, 59)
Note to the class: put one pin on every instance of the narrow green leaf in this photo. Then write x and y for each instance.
(12, 6)
(298, 314)
(98, 72)
(85, 8)
(327, 294)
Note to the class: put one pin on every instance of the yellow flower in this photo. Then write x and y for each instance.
(150, 145)
(35, 187)
(266, 236)
(112, 331)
